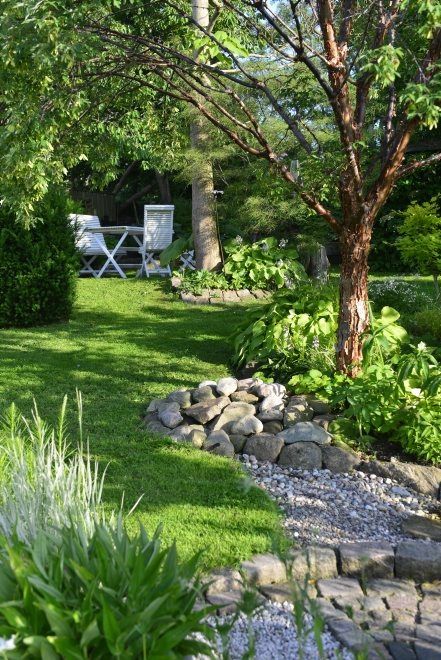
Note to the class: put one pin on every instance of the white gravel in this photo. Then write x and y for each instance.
(328, 509)
(275, 637)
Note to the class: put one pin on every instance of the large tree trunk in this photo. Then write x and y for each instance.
(205, 233)
(355, 241)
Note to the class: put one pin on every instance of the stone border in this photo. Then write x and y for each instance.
(217, 296)
(231, 417)
(342, 575)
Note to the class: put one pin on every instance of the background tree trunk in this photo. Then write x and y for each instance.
(164, 187)
(205, 234)
(355, 241)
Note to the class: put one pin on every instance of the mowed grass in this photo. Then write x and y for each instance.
(128, 342)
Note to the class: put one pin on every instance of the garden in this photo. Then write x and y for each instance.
(220, 330)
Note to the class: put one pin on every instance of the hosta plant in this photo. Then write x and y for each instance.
(268, 264)
(292, 333)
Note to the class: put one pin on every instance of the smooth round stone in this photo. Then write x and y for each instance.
(226, 386)
(248, 425)
(305, 432)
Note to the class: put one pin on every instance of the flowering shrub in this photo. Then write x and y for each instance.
(399, 294)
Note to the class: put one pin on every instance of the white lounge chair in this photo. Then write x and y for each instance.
(158, 234)
(92, 245)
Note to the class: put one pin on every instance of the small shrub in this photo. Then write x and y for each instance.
(108, 596)
(399, 294)
(38, 266)
(426, 324)
(420, 240)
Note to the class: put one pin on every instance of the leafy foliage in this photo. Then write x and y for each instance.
(105, 596)
(268, 264)
(195, 281)
(292, 333)
(426, 324)
(38, 266)
(420, 241)
(401, 400)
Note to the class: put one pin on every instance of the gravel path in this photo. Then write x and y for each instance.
(275, 637)
(328, 509)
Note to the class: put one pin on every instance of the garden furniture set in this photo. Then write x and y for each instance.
(144, 242)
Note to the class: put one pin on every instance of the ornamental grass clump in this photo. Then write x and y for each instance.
(46, 484)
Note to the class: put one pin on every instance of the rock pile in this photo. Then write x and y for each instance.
(248, 416)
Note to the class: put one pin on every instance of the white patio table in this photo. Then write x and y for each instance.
(124, 231)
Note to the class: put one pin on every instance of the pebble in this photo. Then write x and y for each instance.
(328, 509)
(275, 636)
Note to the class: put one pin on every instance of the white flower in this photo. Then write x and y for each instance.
(421, 347)
(283, 243)
(316, 343)
(264, 247)
(238, 240)
(289, 283)
(279, 263)
(7, 644)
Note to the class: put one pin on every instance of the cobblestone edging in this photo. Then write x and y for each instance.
(233, 417)
(217, 296)
(375, 598)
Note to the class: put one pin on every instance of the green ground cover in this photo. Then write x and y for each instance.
(127, 343)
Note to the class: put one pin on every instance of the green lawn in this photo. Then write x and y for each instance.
(129, 341)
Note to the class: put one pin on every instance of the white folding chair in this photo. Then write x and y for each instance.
(158, 234)
(92, 245)
(188, 260)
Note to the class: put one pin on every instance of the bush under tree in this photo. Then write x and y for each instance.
(38, 265)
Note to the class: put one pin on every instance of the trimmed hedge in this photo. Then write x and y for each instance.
(38, 266)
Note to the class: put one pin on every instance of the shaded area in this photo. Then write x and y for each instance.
(127, 343)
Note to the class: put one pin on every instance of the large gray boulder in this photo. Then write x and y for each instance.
(219, 443)
(418, 560)
(263, 390)
(205, 411)
(264, 447)
(369, 559)
(243, 396)
(204, 393)
(232, 413)
(170, 415)
(238, 442)
(247, 426)
(305, 432)
(297, 410)
(339, 460)
(226, 386)
(183, 397)
(422, 478)
(272, 402)
(270, 415)
(301, 455)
